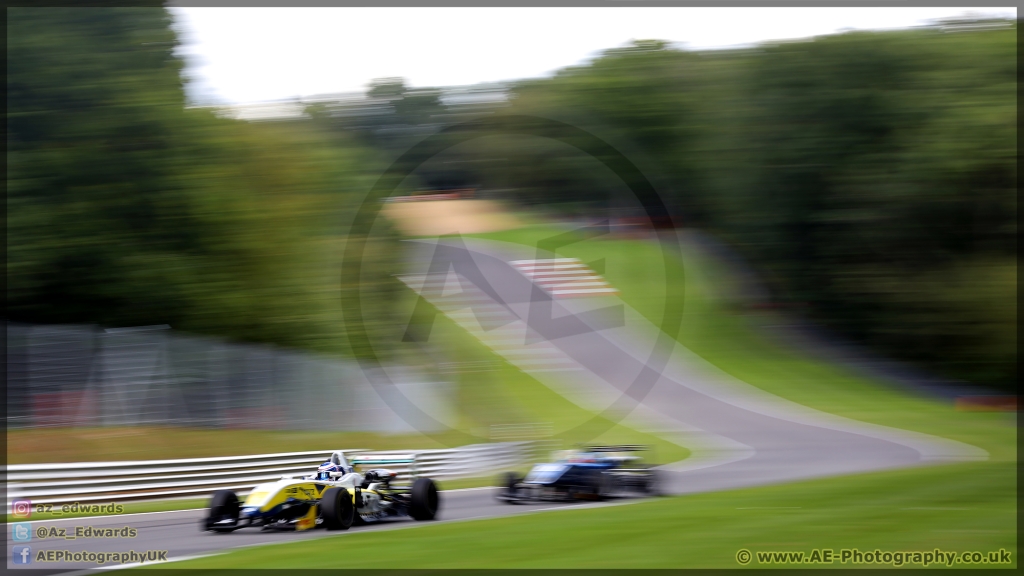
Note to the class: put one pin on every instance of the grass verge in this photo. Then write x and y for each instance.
(954, 508)
(167, 442)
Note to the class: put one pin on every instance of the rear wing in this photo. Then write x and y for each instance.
(647, 449)
(407, 461)
(619, 448)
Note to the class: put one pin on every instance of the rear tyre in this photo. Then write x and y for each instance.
(223, 506)
(425, 499)
(337, 509)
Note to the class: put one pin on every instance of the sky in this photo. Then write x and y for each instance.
(250, 55)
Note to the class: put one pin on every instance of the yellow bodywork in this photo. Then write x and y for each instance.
(268, 496)
(308, 521)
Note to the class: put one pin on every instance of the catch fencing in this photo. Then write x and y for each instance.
(116, 482)
(84, 376)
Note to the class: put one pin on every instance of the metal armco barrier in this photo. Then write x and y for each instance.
(102, 482)
(87, 377)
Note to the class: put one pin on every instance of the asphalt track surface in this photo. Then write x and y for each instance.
(740, 436)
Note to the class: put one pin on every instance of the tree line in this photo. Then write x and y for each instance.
(870, 177)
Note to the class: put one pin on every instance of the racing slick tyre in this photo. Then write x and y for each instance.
(653, 485)
(606, 486)
(223, 506)
(509, 488)
(595, 485)
(425, 499)
(337, 509)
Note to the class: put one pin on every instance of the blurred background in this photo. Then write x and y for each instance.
(864, 181)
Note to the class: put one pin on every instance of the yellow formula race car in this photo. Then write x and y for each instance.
(335, 497)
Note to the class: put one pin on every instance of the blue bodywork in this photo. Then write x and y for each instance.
(596, 473)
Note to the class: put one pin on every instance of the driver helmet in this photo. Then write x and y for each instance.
(326, 469)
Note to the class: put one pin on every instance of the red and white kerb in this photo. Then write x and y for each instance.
(565, 277)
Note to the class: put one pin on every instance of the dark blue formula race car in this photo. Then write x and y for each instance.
(591, 473)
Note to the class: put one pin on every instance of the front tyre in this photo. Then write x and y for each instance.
(606, 486)
(224, 510)
(425, 499)
(598, 482)
(652, 487)
(337, 509)
(509, 488)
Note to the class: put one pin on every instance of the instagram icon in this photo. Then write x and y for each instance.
(21, 508)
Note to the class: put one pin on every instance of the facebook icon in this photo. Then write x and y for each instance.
(21, 555)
